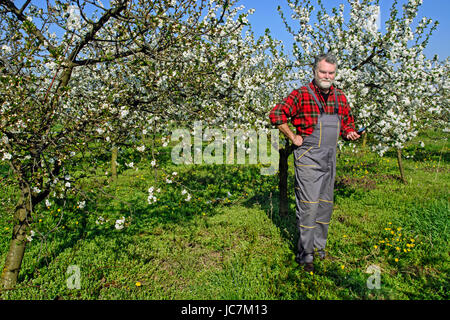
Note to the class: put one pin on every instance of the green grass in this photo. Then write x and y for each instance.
(228, 241)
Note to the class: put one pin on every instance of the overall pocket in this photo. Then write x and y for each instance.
(303, 157)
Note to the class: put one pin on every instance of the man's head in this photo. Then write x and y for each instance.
(324, 70)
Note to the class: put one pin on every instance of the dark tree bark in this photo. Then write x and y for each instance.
(283, 180)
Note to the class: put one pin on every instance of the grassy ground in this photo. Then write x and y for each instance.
(228, 242)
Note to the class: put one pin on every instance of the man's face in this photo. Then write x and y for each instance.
(324, 74)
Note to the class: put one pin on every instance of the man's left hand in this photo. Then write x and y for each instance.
(352, 135)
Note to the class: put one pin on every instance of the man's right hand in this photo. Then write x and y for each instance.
(296, 139)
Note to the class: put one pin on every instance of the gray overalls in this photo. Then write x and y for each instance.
(315, 171)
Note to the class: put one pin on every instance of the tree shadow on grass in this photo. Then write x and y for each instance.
(171, 209)
(140, 218)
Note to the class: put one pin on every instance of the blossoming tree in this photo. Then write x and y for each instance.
(76, 72)
(385, 74)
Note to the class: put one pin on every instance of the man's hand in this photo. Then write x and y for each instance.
(298, 140)
(352, 135)
(295, 138)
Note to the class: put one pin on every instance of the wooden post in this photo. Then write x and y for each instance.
(400, 165)
(114, 154)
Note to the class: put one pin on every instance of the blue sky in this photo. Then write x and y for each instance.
(266, 16)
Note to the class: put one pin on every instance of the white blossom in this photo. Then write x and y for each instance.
(130, 165)
(120, 223)
(73, 20)
(151, 197)
(30, 237)
(6, 156)
(100, 220)
(7, 49)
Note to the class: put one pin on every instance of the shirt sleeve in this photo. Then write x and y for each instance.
(283, 111)
(348, 121)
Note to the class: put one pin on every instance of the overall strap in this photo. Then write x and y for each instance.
(315, 99)
(336, 104)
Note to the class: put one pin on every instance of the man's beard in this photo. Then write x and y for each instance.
(324, 84)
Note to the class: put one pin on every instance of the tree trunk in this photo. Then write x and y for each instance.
(400, 165)
(283, 180)
(114, 154)
(18, 242)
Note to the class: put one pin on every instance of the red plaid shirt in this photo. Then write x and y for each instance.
(303, 111)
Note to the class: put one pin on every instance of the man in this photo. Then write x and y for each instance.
(320, 113)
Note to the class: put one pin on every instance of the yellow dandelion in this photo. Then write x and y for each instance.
(342, 267)
(376, 247)
(311, 273)
(396, 259)
(397, 248)
(138, 284)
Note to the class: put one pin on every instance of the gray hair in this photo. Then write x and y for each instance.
(328, 57)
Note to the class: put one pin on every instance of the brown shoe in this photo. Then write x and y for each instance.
(307, 266)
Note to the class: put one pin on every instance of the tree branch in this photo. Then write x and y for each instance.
(95, 28)
(368, 59)
(19, 14)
